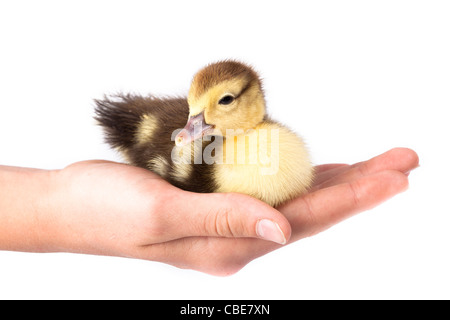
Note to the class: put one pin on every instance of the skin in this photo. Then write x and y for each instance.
(107, 208)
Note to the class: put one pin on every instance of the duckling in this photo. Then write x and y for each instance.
(224, 140)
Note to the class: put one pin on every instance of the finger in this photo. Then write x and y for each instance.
(224, 215)
(399, 159)
(327, 171)
(322, 168)
(323, 208)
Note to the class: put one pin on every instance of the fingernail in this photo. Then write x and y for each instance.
(269, 230)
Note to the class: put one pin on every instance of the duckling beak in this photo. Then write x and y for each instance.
(195, 128)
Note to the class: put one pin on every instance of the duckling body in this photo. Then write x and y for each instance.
(228, 144)
(276, 170)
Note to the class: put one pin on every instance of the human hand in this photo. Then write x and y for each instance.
(115, 209)
(339, 192)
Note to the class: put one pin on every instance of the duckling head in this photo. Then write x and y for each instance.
(225, 98)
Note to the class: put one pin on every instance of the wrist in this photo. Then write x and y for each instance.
(24, 206)
(58, 224)
(49, 222)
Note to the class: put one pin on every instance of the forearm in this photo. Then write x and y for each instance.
(52, 211)
(24, 209)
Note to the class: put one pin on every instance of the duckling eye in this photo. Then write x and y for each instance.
(226, 100)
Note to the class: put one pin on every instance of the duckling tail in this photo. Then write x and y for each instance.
(119, 115)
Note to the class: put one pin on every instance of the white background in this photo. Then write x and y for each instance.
(354, 78)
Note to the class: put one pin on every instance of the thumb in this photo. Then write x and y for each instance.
(226, 215)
